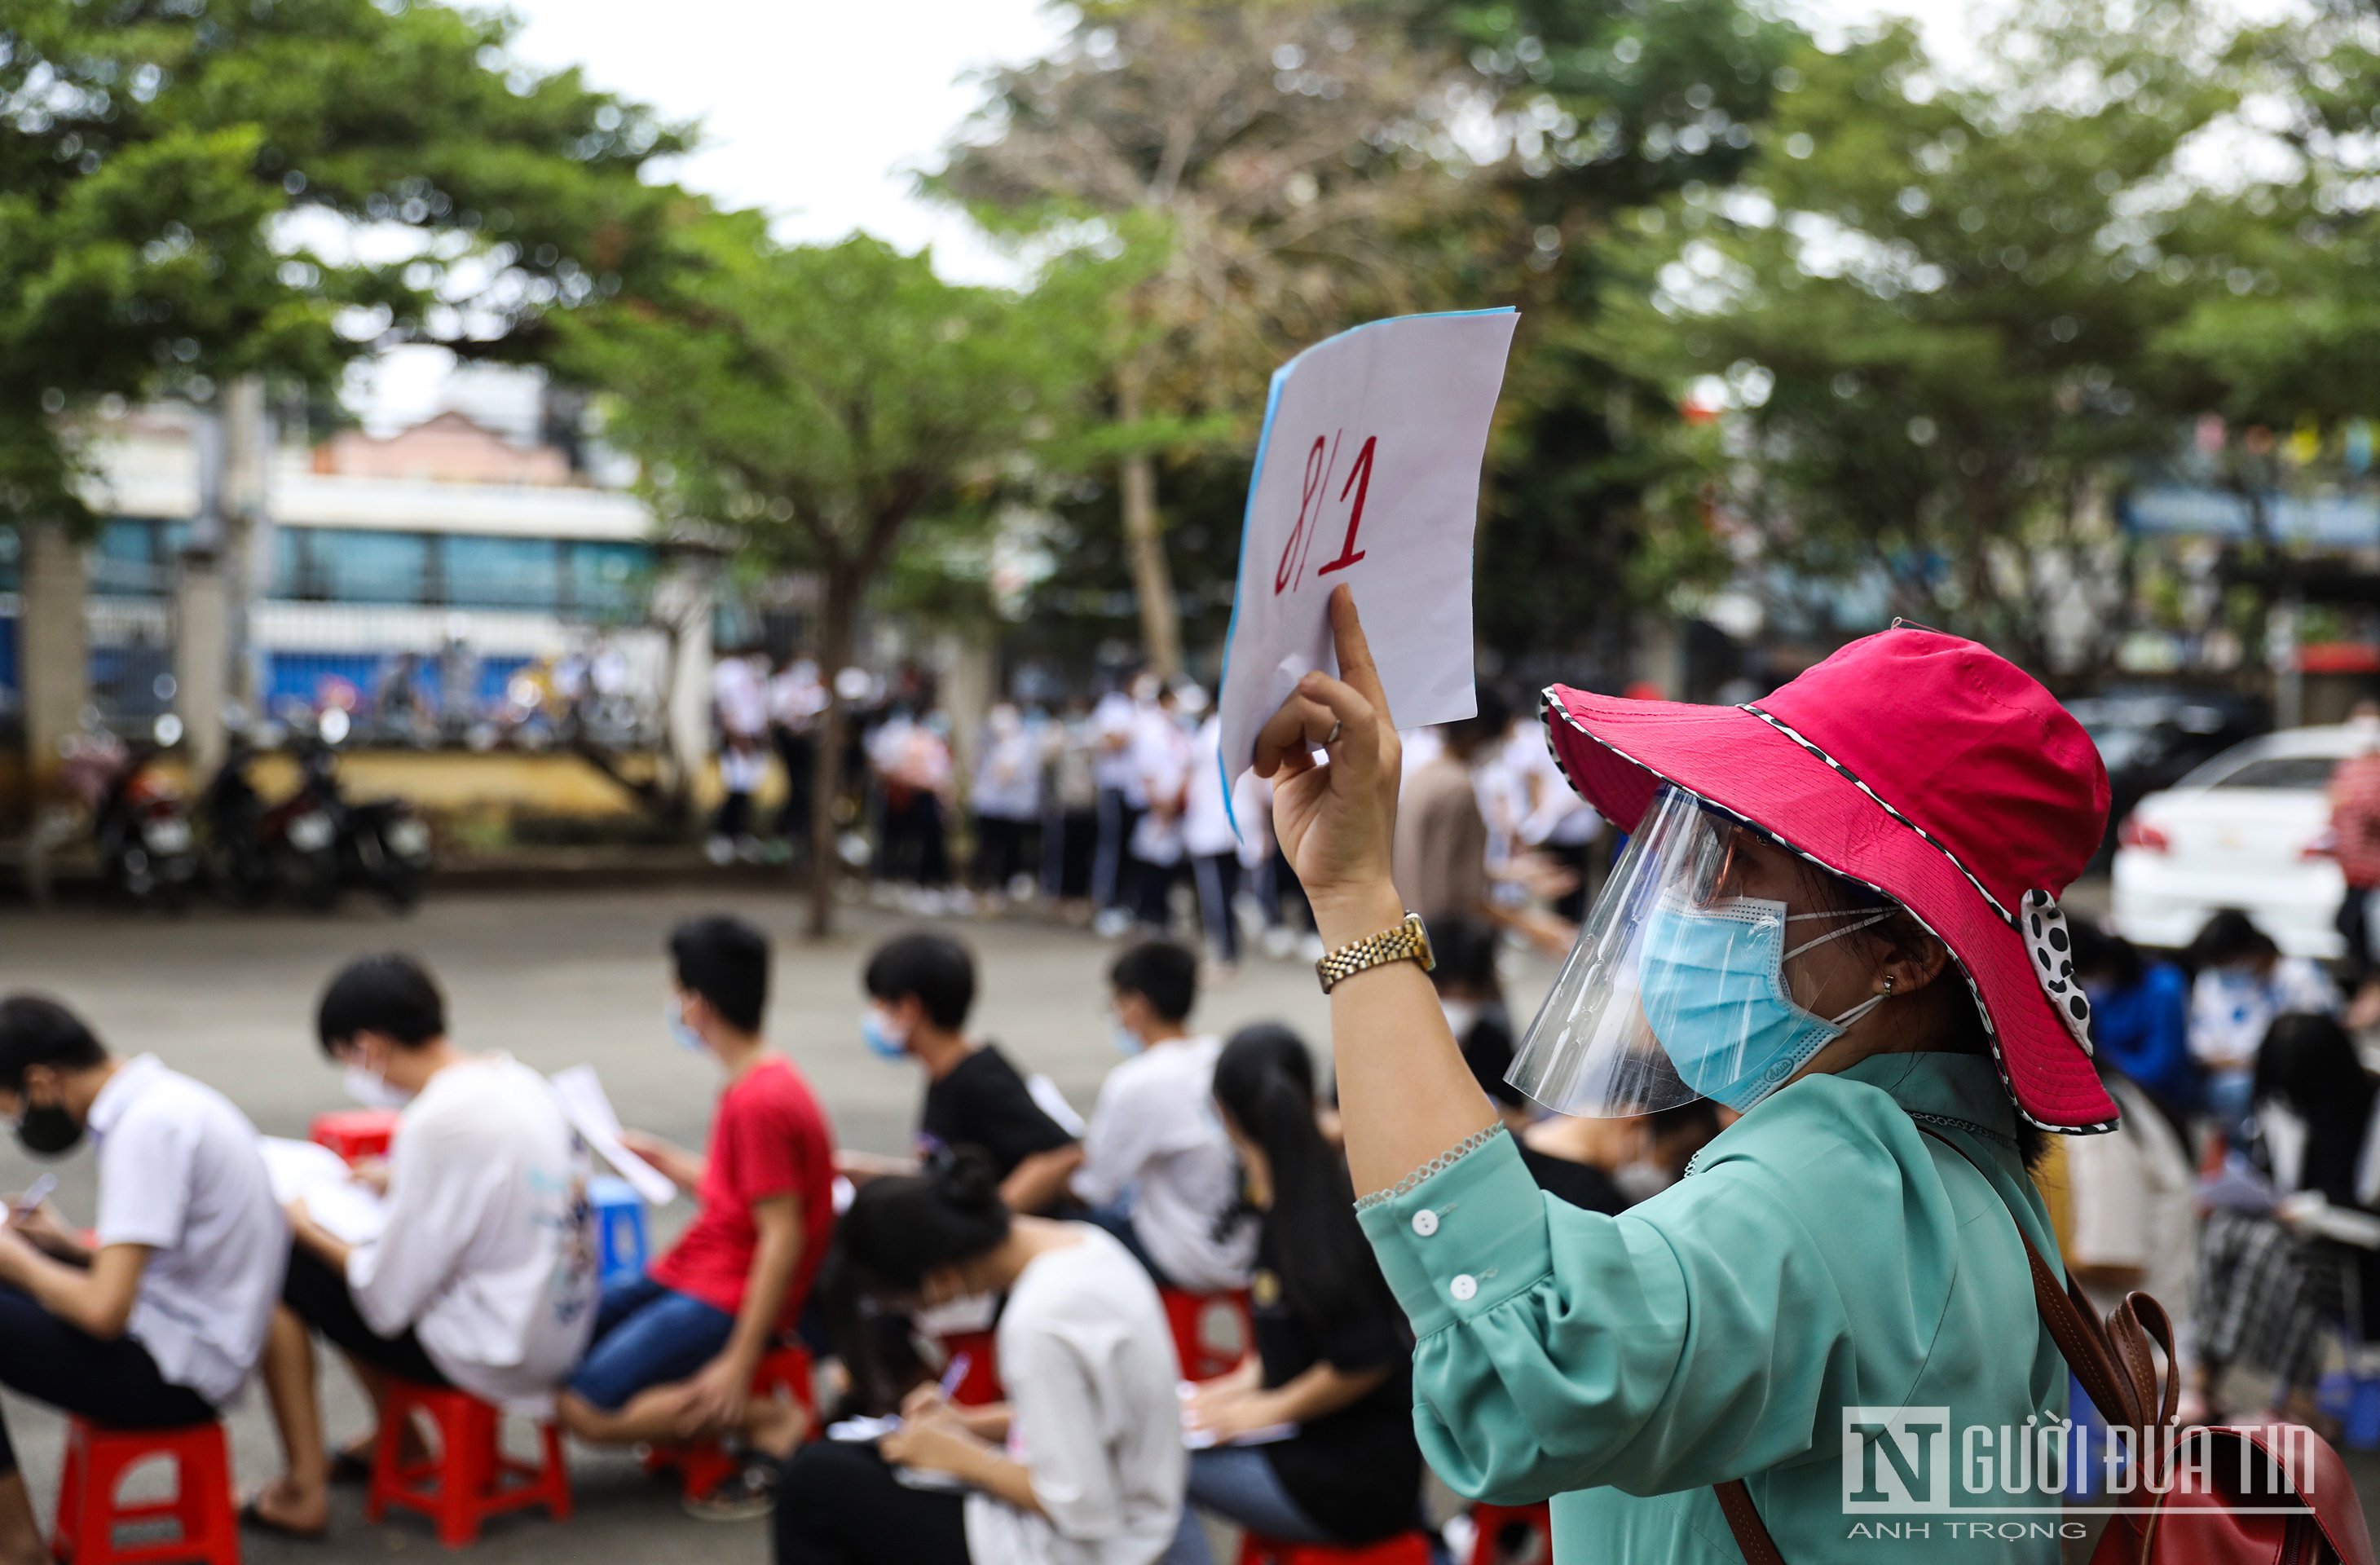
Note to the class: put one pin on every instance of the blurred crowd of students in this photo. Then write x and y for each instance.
(1208, 1166)
(2240, 1187)
(1113, 811)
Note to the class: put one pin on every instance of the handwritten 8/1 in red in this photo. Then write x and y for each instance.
(1367, 473)
(1318, 467)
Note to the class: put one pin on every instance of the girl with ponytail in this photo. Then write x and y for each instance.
(1331, 1358)
(1083, 1465)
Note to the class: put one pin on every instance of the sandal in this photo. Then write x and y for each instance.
(747, 1496)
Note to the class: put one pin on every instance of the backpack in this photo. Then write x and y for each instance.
(2274, 1495)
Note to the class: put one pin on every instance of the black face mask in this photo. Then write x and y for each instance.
(48, 1130)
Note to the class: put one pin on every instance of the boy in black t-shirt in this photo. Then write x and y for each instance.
(920, 987)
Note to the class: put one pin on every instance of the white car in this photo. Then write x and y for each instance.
(2248, 830)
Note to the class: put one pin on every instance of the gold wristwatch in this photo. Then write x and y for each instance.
(1408, 941)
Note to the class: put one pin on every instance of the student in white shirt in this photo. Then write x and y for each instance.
(2243, 983)
(484, 1276)
(1083, 1465)
(1157, 1168)
(158, 1323)
(1121, 796)
(1213, 846)
(1161, 752)
(1007, 800)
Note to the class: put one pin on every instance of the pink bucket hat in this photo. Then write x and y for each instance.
(1925, 767)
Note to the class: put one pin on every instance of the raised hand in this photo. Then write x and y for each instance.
(1336, 818)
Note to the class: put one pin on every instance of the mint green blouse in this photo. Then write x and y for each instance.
(1821, 1255)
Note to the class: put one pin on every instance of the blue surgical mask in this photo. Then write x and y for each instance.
(1125, 1040)
(1713, 984)
(882, 1040)
(680, 1032)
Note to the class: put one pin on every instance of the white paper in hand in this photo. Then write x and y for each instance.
(1367, 473)
(588, 1108)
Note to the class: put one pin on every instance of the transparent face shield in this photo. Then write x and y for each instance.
(1686, 981)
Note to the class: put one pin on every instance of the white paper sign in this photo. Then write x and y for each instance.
(1367, 473)
(588, 1108)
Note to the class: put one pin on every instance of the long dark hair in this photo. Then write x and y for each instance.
(2308, 1066)
(900, 1229)
(1264, 1079)
(896, 1231)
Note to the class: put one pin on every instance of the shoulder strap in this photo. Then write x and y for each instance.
(2112, 1360)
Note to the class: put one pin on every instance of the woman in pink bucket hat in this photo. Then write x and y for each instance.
(1837, 914)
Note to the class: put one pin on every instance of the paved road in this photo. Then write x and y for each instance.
(557, 979)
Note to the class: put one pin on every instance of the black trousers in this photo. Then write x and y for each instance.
(1218, 877)
(1003, 851)
(1112, 881)
(115, 1383)
(317, 1293)
(2354, 925)
(839, 1505)
(1152, 894)
(799, 754)
(1070, 842)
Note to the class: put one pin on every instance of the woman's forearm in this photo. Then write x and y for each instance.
(1004, 1479)
(1404, 1094)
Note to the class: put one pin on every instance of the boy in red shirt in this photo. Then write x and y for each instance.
(674, 1351)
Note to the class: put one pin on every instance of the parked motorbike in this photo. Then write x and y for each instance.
(252, 849)
(380, 846)
(147, 853)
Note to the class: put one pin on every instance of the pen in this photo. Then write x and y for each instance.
(30, 1201)
(954, 1375)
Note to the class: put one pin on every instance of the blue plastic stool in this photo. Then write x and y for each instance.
(620, 1245)
(2362, 1420)
(2086, 1448)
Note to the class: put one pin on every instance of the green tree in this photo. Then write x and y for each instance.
(196, 190)
(190, 191)
(1932, 306)
(1274, 172)
(1597, 110)
(813, 405)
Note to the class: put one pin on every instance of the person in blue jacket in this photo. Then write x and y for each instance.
(2140, 1016)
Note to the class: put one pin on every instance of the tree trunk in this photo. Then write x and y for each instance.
(1161, 627)
(53, 646)
(837, 613)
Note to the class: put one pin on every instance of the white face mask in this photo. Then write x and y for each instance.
(371, 1091)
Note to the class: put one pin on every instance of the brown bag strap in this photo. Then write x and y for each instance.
(2116, 1368)
(1743, 1520)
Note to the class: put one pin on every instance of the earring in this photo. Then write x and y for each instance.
(1887, 983)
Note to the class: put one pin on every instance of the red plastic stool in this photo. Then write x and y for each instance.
(1406, 1549)
(1494, 1522)
(1211, 1332)
(469, 1478)
(981, 1384)
(355, 1133)
(703, 1465)
(89, 1513)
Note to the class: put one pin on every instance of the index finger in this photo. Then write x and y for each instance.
(1356, 665)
